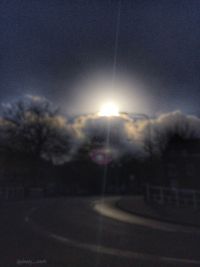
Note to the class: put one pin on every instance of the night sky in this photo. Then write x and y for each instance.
(47, 46)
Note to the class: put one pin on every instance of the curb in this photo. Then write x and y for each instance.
(119, 206)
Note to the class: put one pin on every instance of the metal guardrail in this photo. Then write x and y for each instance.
(173, 196)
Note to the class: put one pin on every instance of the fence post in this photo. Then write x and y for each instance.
(147, 192)
(161, 195)
(194, 200)
(176, 196)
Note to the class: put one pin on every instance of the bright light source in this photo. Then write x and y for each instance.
(109, 110)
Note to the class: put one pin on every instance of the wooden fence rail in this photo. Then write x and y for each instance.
(172, 196)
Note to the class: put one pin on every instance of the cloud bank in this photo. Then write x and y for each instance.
(126, 134)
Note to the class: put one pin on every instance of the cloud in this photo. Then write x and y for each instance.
(129, 135)
(186, 125)
(119, 133)
(124, 134)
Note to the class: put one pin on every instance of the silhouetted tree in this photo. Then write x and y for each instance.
(33, 128)
(157, 139)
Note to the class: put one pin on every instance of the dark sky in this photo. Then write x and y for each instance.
(46, 46)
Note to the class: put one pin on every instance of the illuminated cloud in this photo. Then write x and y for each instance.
(123, 134)
(128, 135)
(120, 133)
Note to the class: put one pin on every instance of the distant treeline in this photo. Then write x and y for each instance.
(39, 144)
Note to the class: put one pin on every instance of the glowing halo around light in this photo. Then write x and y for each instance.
(109, 109)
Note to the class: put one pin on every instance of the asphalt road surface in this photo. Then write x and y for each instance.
(72, 232)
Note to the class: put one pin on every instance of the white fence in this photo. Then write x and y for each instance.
(173, 196)
(19, 193)
(11, 193)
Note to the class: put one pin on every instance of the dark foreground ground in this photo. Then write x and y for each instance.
(69, 233)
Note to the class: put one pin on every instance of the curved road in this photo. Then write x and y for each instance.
(74, 232)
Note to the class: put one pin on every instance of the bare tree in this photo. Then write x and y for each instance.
(33, 126)
(158, 141)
